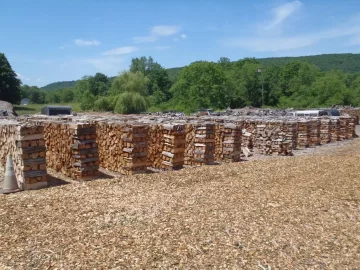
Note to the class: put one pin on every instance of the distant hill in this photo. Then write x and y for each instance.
(348, 63)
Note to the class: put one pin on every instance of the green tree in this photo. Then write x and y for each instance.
(87, 102)
(67, 95)
(130, 82)
(9, 84)
(130, 102)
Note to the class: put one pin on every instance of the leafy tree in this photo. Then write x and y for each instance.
(87, 102)
(67, 95)
(130, 102)
(130, 82)
(9, 84)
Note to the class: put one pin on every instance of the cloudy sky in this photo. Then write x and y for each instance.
(48, 40)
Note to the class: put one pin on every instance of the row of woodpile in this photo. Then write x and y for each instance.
(25, 143)
(71, 149)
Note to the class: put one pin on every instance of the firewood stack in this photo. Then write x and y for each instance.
(71, 149)
(174, 146)
(314, 132)
(219, 137)
(110, 144)
(200, 143)
(289, 128)
(85, 152)
(25, 142)
(155, 144)
(352, 112)
(231, 142)
(344, 128)
(334, 129)
(135, 148)
(352, 126)
(325, 131)
(303, 135)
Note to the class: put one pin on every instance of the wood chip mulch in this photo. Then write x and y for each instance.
(285, 213)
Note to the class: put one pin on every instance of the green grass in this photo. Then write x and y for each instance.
(36, 108)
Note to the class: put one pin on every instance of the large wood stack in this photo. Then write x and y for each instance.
(155, 144)
(173, 153)
(303, 133)
(25, 143)
(231, 142)
(85, 153)
(71, 149)
(325, 130)
(314, 132)
(352, 112)
(289, 128)
(200, 143)
(135, 148)
(344, 128)
(352, 127)
(334, 129)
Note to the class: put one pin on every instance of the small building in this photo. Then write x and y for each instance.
(56, 110)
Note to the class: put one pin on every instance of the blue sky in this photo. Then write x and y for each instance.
(47, 40)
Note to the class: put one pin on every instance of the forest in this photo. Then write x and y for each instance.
(147, 86)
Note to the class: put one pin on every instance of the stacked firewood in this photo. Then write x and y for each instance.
(25, 143)
(289, 128)
(303, 133)
(344, 128)
(334, 129)
(314, 132)
(173, 146)
(325, 131)
(135, 148)
(352, 112)
(155, 145)
(230, 142)
(200, 143)
(110, 144)
(352, 126)
(71, 149)
(85, 156)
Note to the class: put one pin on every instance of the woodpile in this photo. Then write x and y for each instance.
(334, 129)
(228, 142)
(173, 153)
(314, 132)
(155, 141)
(289, 128)
(325, 130)
(71, 149)
(200, 143)
(344, 128)
(352, 112)
(352, 127)
(303, 133)
(25, 142)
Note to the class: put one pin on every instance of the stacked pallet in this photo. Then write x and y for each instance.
(71, 149)
(325, 131)
(334, 129)
(173, 146)
(85, 158)
(231, 142)
(314, 132)
(344, 128)
(303, 133)
(200, 143)
(25, 142)
(134, 156)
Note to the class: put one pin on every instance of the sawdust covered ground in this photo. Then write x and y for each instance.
(288, 213)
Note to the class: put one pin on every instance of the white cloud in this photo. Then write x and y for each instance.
(281, 13)
(81, 42)
(156, 32)
(107, 64)
(183, 36)
(121, 50)
(164, 30)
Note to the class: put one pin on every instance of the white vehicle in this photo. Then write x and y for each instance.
(308, 113)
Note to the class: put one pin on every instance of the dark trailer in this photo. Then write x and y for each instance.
(56, 110)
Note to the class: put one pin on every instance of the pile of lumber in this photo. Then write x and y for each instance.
(325, 131)
(173, 153)
(71, 149)
(334, 129)
(314, 132)
(228, 142)
(303, 133)
(200, 143)
(134, 157)
(25, 143)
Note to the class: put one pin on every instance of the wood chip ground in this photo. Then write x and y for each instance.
(299, 212)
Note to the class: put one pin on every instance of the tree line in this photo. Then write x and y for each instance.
(147, 86)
